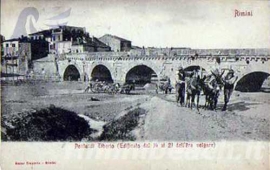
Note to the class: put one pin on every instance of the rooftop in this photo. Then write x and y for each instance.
(46, 33)
(10, 40)
(116, 37)
(69, 26)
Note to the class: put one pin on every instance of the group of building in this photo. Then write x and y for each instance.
(18, 54)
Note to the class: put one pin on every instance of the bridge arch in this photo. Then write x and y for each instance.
(71, 73)
(102, 73)
(251, 82)
(141, 74)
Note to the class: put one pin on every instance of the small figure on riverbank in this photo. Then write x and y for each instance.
(229, 82)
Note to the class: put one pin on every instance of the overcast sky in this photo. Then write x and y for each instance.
(158, 23)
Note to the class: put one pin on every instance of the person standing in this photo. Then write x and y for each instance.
(196, 90)
(229, 82)
(167, 85)
(180, 85)
(212, 92)
(192, 89)
(188, 90)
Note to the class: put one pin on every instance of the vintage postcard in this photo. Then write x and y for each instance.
(135, 84)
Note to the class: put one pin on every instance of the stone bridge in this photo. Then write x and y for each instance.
(123, 67)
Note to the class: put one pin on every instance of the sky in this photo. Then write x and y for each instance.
(151, 23)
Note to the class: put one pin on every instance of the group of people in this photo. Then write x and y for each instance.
(190, 86)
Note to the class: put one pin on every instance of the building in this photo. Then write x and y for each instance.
(89, 44)
(69, 39)
(41, 35)
(59, 39)
(40, 43)
(62, 38)
(16, 57)
(18, 53)
(116, 43)
(2, 38)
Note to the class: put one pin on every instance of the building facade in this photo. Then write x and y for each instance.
(116, 43)
(2, 38)
(16, 57)
(69, 39)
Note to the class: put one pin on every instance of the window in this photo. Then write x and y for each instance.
(6, 45)
(52, 47)
(13, 45)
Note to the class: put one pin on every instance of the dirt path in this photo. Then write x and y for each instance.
(167, 121)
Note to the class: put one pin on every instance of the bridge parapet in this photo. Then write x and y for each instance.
(124, 56)
(231, 52)
(167, 53)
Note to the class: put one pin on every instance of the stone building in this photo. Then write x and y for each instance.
(117, 44)
(89, 44)
(16, 57)
(19, 53)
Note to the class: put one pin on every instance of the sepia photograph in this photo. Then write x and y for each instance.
(99, 73)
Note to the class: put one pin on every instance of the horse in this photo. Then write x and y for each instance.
(211, 91)
(193, 90)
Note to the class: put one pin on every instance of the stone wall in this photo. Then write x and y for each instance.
(46, 67)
